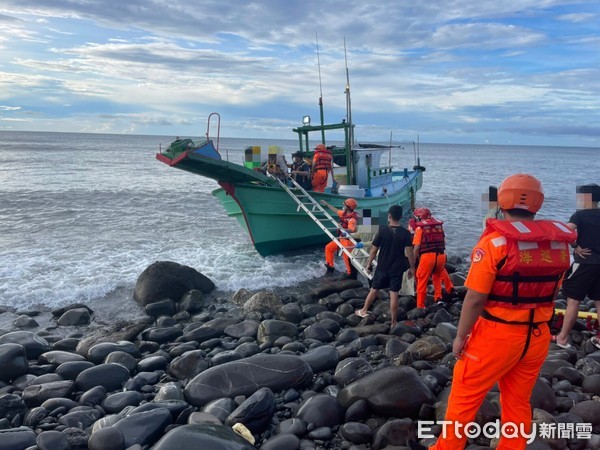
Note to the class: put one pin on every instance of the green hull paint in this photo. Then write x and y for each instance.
(275, 225)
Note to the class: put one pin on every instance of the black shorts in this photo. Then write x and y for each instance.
(584, 280)
(384, 280)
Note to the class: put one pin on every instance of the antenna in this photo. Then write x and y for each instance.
(348, 102)
(320, 93)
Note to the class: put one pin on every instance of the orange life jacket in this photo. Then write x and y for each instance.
(323, 160)
(537, 257)
(345, 220)
(433, 239)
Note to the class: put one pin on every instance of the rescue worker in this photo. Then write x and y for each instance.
(348, 221)
(429, 243)
(322, 165)
(503, 336)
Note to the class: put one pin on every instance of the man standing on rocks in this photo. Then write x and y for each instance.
(585, 277)
(503, 335)
(393, 243)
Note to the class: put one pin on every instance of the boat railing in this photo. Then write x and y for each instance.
(218, 132)
(379, 172)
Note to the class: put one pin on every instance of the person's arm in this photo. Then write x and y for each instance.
(372, 255)
(333, 209)
(408, 252)
(471, 310)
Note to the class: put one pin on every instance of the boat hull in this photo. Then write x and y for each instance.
(275, 225)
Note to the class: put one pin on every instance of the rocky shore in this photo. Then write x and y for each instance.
(284, 369)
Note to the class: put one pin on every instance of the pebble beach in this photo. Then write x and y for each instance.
(187, 366)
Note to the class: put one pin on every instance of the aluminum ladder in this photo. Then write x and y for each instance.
(328, 224)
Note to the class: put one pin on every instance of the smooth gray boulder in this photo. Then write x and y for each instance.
(203, 436)
(246, 376)
(391, 392)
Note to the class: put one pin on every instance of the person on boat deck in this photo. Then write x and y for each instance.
(348, 221)
(429, 244)
(392, 243)
(300, 171)
(503, 335)
(276, 166)
(585, 274)
(322, 165)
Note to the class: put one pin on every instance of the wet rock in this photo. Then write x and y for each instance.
(291, 312)
(355, 432)
(351, 369)
(110, 376)
(25, 322)
(16, 438)
(167, 279)
(99, 352)
(35, 395)
(318, 332)
(255, 412)
(446, 331)
(591, 384)
(164, 307)
(11, 406)
(116, 402)
(543, 396)
(391, 392)
(203, 436)
(271, 330)
(588, 410)
(263, 302)
(13, 361)
(123, 358)
(52, 440)
(245, 376)
(285, 441)
(395, 433)
(293, 426)
(428, 347)
(220, 408)
(109, 438)
(75, 317)
(321, 410)
(121, 332)
(58, 357)
(33, 344)
(188, 365)
(144, 428)
(81, 417)
(321, 358)
(247, 328)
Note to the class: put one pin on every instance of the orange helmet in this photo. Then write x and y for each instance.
(351, 203)
(422, 213)
(521, 191)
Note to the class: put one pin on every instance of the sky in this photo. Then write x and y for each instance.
(520, 72)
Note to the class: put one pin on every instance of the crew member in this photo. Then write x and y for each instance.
(503, 336)
(348, 222)
(322, 164)
(300, 171)
(429, 244)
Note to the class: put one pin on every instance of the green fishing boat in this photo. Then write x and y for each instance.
(269, 212)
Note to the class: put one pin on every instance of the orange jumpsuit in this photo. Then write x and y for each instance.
(494, 353)
(332, 248)
(430, 265)
(322, 164)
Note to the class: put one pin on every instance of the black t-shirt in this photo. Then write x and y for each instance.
(588, 234)
(391, 242)
(303, 180)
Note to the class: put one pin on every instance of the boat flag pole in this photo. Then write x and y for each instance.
(320, 93)
(350, 133)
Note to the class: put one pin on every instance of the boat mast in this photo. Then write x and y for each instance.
(320, 94)
(350, 176)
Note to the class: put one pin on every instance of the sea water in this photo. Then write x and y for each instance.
(82, 215)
